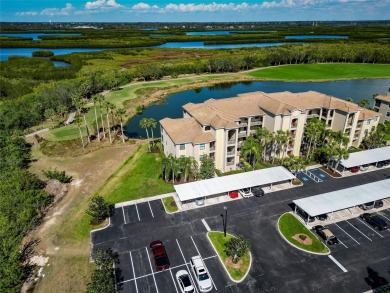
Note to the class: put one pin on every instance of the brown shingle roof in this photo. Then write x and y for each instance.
(185, 130)
(383, 98)
(368, 114)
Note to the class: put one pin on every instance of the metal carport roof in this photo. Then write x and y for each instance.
(345, 198)
(367, 157)
(223, 184)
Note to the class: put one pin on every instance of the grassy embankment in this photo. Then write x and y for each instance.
(290, 227)
(322, 72)
(219, 241)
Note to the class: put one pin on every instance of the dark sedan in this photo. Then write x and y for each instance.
(375, 221)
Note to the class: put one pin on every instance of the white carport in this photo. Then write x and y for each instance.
(224, 184)
(366, 157)
(342, 199)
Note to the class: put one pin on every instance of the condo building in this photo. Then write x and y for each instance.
(382, 105)
(217, 128)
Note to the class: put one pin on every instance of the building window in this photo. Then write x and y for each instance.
(202, 146)
(368, 121)
(388, 114)
(377, 103)
(182, 147)
(366, 132)
(207, 128)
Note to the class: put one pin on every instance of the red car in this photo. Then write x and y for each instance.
(160, 256)
(354, 169)
(233, 194)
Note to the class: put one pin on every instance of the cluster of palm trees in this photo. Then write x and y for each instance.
(319, 143)
(265, 145)
(148, 123)
(173, 168)
(107, 125)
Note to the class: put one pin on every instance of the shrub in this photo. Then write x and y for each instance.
(57, 175)
(99, 209)
(237, 247)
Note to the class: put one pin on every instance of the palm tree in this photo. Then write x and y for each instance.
(78, 103)
(174, 167)
(112, 111)
(120, 113)
(81, 134)
(83, 110)
(144, 123)
(264, 136)
(165, 169)
(152, 124)
(106, 104)
(289, 137)
(340, 138)
(95, 99)
(251, 150)
(364, 103)
(339, 154)
(349, 100)
(280, 140)
(101, 101)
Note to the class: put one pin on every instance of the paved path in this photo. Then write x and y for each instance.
(37, 132)
(70, 117)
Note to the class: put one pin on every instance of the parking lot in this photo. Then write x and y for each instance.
(363, 252)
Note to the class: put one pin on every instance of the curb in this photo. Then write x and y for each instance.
(223, 265)
(165, 209)
(301, 249)
(144, 199)
(90, 237)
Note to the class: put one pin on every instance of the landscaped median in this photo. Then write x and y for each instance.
(237, 272)
(170, 204)
(294, 232)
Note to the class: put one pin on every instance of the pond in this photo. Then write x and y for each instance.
(172, 107)
(302, 37)
(202, 45)
(35, 36)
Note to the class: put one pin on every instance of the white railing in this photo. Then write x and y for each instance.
(256, 122)
(230, 153)
(242, 134)
(229, 163)
(312, 176)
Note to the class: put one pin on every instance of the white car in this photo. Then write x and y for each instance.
(184, 281)
(245, 192)
(201, 275)
(363, 167)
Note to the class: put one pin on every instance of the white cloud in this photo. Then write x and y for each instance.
(58, 11)
(26, 13)
(102, 4)
(144, 6)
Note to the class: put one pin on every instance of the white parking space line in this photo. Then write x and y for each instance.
(343, 243)
(116, 288)
(385, 217)
(132, 265)
(150, 209)
(189, 271)
(150, 263)
(337, 263)
(359, 231)
(137, 212)
(124, 217)
(370, 228)
(173, 280)
(204, 263)
(210, 257)
(347, 233)
(206, 225)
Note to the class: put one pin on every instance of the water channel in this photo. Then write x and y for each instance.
(172, 107)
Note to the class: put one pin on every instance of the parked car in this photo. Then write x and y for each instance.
(160, 256)
(257, 191)
(199, 201)
(322, 217)
(326, 235)
(354, 169)
(304, 215)
(245, 192)
(364, 167)
(367, 206)
(184, 281)
(378, 204)
(233, 194)
(201, 275)
(382, 163)
(375, 221)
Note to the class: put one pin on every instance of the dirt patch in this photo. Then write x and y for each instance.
(303, 238)
(229, 263)
(173, 204)
(330, 172)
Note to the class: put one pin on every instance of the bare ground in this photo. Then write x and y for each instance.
(67, 268)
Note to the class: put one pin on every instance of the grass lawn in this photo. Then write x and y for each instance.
(170, 204)
(326, 71)
(218, 242)
(138, 177)
(289, 226)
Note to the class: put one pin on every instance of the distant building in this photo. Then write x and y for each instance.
(217, 128)
(382, 105)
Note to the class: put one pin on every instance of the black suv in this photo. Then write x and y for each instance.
(375, 221)
(378, 204)
(257, 191)
(304, 215)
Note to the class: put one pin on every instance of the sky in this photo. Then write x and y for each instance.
(192, 11)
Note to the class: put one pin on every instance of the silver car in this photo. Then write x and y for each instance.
(184, 281)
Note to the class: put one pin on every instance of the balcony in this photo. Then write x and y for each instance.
(359, 126)
(230, 153)
(242, 134)
(230, 163)
(257, 122)
(239, 144)
(231, 141)
(212, 149)
(294, 123)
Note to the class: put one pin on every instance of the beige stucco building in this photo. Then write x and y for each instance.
(382, 105)
(217, 128)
